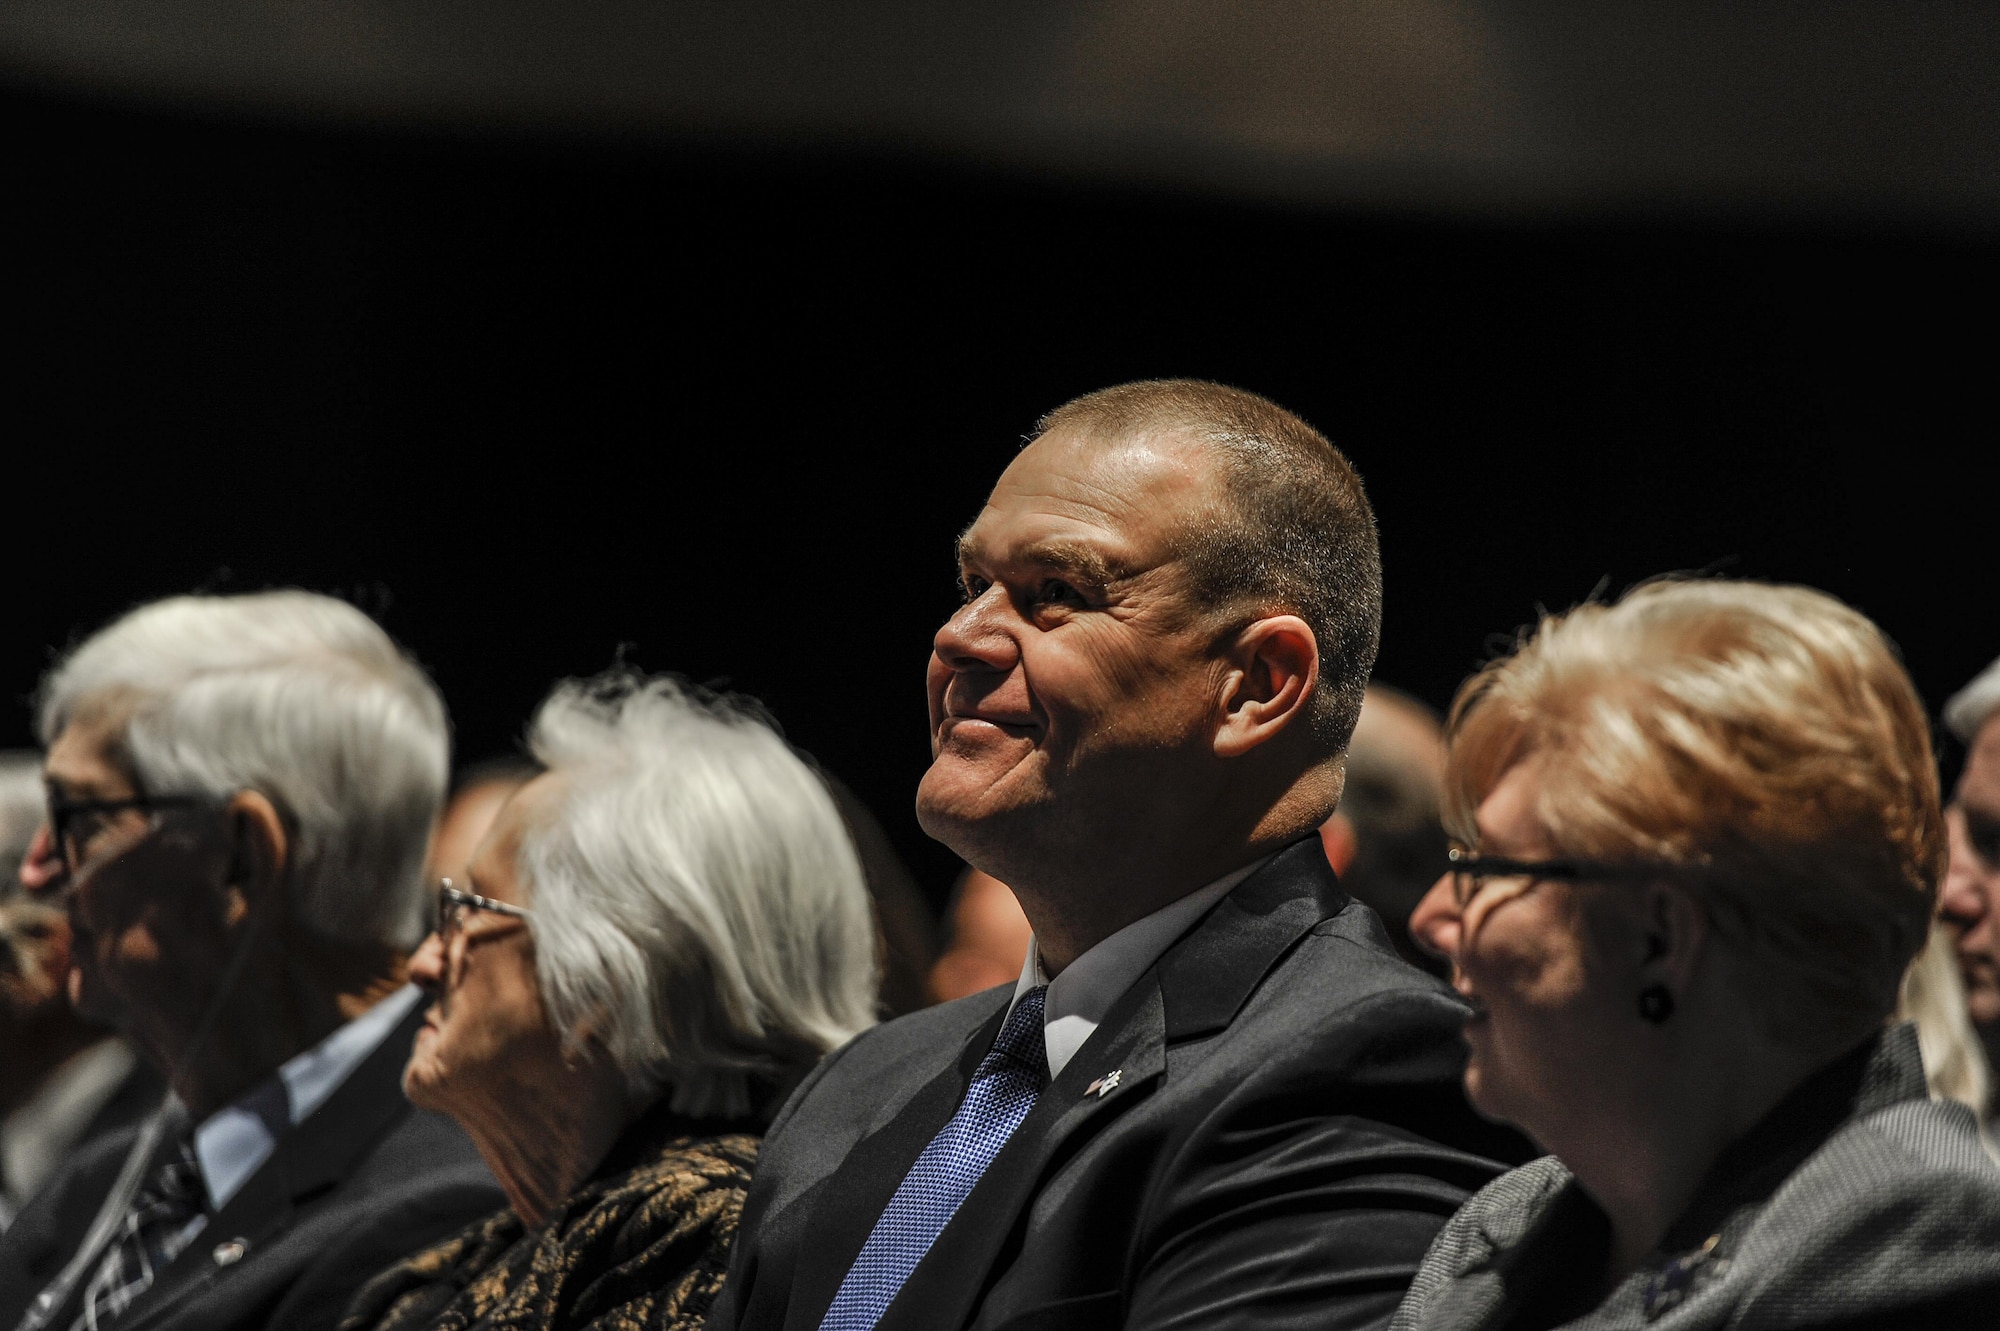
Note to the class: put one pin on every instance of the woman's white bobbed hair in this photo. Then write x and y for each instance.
(699, 910)
(299, 697)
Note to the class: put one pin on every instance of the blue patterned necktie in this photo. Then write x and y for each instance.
(1002, 1091)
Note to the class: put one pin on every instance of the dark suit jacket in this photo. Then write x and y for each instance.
(365, 1180)
(1286, 1134)
(136, 1097)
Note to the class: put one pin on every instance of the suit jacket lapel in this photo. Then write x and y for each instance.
(61, 1248)
(1206, 977)
(953, 1275)
(1196, 987)
(311, 1159)
(842, 1209)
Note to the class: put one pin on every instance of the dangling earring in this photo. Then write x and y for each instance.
(1656, 1004)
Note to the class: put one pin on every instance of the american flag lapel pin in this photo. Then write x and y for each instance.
(1104, 1085)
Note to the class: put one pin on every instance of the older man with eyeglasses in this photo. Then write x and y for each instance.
(1969, 902)
(240, 794)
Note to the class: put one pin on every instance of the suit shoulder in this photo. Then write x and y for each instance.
(1494, 1219)
(916, 1034)
(1340, 996)
(961, 1016)
(1899, 1208)
(1344, 1029)
(423, 1152)
(881, 1067)
(422, 1182)
(1355, 939)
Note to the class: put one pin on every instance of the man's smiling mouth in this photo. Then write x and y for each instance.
(1011, 724)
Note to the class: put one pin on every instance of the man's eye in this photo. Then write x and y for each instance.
(971, 586)
(84, 830)
(1057, 593)
(1984, 836)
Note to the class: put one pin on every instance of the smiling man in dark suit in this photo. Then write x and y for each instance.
(240, 793)
(1215, 1097)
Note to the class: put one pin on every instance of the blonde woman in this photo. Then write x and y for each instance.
(1697, 843)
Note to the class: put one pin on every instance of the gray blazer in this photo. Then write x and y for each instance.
(1285, 1134)
(1858, 1202)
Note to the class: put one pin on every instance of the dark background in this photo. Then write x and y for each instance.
(532, 399)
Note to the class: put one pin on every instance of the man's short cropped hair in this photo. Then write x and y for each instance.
(301, 698)
(1762, 742)
(1294, 535)
(698, 904)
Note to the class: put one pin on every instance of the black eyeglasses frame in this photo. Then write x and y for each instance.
(1470, 867)
(61, 812)
(453, 903)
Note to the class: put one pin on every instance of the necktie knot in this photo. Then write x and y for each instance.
(1021, 1040)
(174, 1192)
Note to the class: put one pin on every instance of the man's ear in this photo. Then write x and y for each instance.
(260, 848)
(1274, 671)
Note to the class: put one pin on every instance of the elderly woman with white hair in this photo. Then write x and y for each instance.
(1698, 841)
(658, 937)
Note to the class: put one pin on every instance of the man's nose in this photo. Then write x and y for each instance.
(977, 636)
(41, 870)
(1436, 922)
(1962, 900)
(427, 965)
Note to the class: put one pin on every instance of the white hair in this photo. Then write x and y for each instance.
(699, 909)
(22, 808)
(301, 698)
(1972, 706)
(1933, 996)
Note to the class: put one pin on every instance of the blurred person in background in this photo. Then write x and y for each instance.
(66, 1080)
(987, 940)
(1970, 902)
(1698, 842)
(241, 790)
(477, 793)
(1933, 1000)
(653, 944)
(1214, 1095)
(906, 931)
(1384, 841)
(1387, 835)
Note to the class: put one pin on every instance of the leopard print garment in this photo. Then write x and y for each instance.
(642, 1249)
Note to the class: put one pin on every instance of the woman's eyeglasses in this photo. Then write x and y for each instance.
(1471, 872)
(454, 904)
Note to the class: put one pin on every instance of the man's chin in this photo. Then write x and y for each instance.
(419, 1077)
(966, 820)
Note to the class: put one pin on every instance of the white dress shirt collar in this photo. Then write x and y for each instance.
(234, 1142)
(1081, 997)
